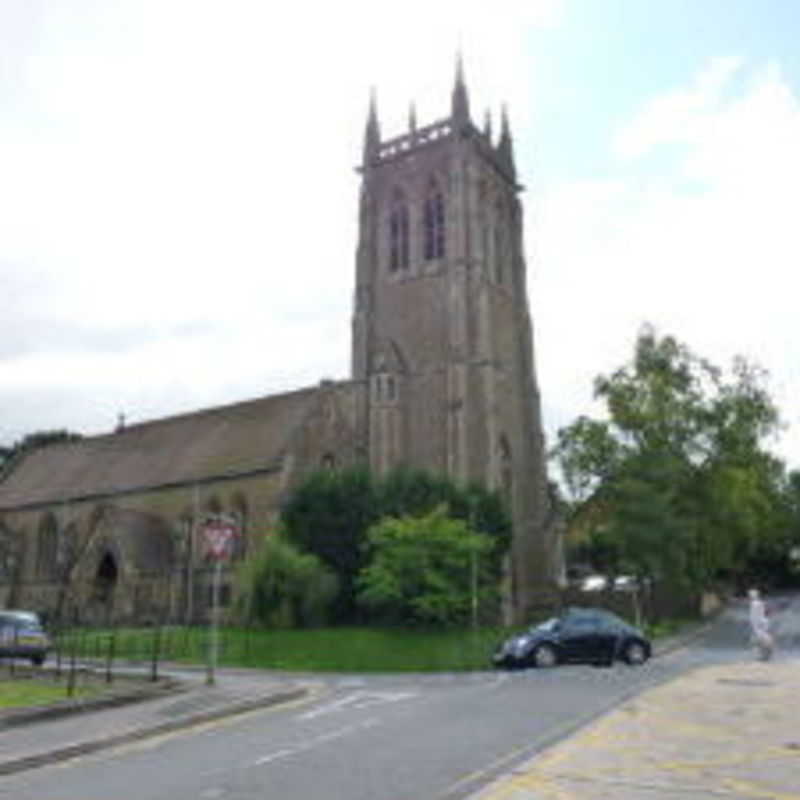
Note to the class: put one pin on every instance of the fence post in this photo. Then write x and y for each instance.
(58, 637)
(13, 659)
(156, 650)
(72, 665)
(110, 655)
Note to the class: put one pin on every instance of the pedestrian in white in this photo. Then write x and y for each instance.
(759, 626)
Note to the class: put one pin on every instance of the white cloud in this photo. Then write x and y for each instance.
(177, 221)
(705, 246)
(680, 115)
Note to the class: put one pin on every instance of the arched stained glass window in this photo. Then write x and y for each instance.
(398, 232)
(433, 223)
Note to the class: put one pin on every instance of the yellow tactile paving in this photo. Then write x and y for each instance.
(730, 731)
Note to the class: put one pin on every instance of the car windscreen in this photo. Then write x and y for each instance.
(20, 621)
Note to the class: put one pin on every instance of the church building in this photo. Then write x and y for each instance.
(442, 378)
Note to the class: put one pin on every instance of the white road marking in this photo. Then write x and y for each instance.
(330, 736)
(357, 701)
(276, 755)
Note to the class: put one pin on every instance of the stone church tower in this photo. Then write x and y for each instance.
(112, 526)
(441, 327)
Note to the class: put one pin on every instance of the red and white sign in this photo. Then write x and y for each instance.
(220, 535)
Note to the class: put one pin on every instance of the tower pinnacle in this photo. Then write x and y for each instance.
(505, 147)
(372, 134)
(460, 106)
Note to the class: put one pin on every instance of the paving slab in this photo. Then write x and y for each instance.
(729, 731)
(59, 736)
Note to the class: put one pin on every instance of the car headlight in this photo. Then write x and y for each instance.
(519, 645)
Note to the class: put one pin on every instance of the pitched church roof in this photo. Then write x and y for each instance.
(220, 442)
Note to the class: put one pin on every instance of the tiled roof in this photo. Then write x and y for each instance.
(226, 440)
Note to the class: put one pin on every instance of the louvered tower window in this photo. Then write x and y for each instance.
(433, 223)
(398, 233)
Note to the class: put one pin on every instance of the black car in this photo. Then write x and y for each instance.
(578, 635)
(22, 636)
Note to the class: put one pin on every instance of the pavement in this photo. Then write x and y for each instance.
(133, 709)
(725, 731)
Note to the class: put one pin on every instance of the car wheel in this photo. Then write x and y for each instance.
(635, 653)
(37, 661)
(544, 656)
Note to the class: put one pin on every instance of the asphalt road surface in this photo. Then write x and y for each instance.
(436, 737)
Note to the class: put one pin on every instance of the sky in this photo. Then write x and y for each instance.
(178, 196)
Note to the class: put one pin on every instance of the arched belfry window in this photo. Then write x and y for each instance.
(398, 232)
(433, 223)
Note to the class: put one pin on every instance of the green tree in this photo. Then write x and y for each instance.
(774, 559)
(282, 587)
(414, 492)
(678, 464)
(32, 441)
(426, 570)
(329, 515)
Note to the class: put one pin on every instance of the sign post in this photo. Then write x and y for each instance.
(220, 533)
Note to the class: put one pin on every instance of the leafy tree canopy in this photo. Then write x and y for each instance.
(329, 515)
(678, 463)
(426, 569)
(282, 587)
(34, 440)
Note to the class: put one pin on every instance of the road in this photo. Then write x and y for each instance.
(438, 737)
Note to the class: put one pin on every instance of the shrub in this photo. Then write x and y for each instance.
(283, 588)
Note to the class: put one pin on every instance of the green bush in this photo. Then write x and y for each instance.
(329, 515)
(426, 570)
(284, 588)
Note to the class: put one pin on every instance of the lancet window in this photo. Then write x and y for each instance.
(433, 223)
(398, 233)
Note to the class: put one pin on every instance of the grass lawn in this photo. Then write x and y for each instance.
(37, 691)
(321, 650)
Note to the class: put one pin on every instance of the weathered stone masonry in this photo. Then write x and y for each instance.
(443, 378)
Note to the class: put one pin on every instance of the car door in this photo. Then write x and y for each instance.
(580, 640)
(608, 638)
